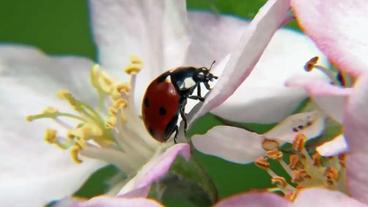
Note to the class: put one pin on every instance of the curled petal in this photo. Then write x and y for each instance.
(356, 130)
(155, 169)
(254, 200)
(311, 124)
(339, 30)
(263, 96)
(246, 55)
(331, 99)
(230, 143)
(118, 202)
(334, 147)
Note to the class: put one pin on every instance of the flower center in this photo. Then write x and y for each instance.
(336, 77)
(303, 169)
(103, 131)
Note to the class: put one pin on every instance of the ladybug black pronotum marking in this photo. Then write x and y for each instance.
(166, 97)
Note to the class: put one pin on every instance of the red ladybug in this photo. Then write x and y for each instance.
(166, 97)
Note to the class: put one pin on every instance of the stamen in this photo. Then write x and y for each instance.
(316, 159)
(294, 161)
(342, 160)
(50, 135)
(332, 175)
(270, 144)
(74, 152)
(261, 162)
(135, 65)
(298, 144)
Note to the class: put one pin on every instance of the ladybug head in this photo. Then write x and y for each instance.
(204, 74)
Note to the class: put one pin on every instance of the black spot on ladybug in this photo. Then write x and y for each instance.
(300, 127)
(162, 111)
(146, 102)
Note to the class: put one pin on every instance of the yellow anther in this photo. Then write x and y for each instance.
(112, 111)
(298, 144)
(64, 94)
(50, 136)
(342, 159)
(261, 162)
(135, 60)
(279, 182)
(311, 63)
(294, 161)
(111, 122)
(123, 88)
(274, 154)
(120, 103)
(332, 175)
(136, 64)
(299, 176)
(270, 144)
(105, 82)
(291, 195)
(316, 159)
(74, 152)
(49, 112)
(132, 69)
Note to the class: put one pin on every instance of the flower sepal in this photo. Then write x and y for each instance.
(188, 181)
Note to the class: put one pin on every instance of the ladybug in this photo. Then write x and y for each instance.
(166, 97)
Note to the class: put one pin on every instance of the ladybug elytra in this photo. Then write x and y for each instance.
(166, 97)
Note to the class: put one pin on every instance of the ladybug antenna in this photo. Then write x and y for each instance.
(212, 65)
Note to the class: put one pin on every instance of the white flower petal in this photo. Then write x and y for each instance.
(247, 54)
(230, 143)
(311, 124)
(27, 79)
(155, 31)
(29, 66)
(210, 37)
(331, 99)
(334, 147)
(263, 96)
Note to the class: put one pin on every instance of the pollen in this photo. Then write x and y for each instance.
(90, 125)
(50, 135)
(135, 65)
(305, 169)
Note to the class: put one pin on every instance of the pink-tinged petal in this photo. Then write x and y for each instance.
(230, 143)
(334, 147)
(206, 47)
(261, 199)
(263, 96)
(118, 202)
(311, 124)
(154, 170)
(245, 56)
(356, 133)
(32, 172)
(156, 31)
(339, 30)
(331, 99)
(319, 197)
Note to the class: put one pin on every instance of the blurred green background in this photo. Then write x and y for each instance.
(62, 27)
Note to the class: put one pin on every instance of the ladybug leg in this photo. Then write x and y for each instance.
(183, 116)
(176, 130)
(207, 85)
(198, 96)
